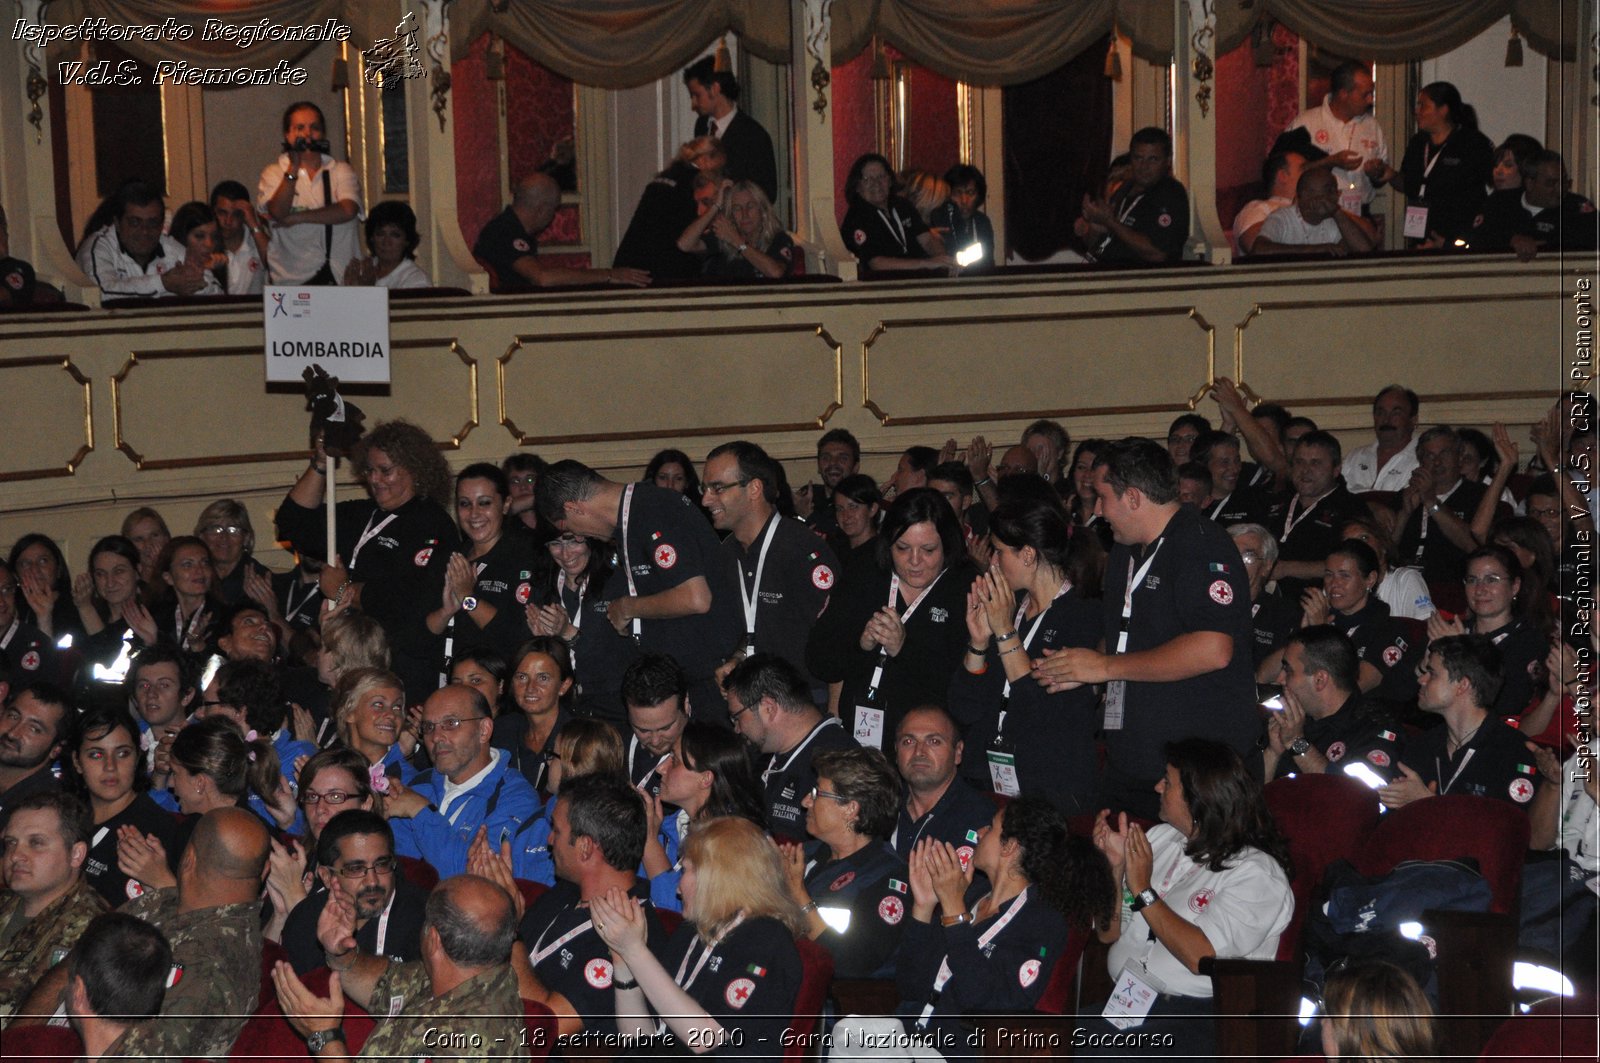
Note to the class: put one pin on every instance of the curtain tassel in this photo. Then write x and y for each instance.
(1514, 49)
(1113, 61)
(723, 64)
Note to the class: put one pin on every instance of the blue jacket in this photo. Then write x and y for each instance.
(503, 802)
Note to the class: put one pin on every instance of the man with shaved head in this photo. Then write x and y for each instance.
(462, 993)
(509, 244)
(212, 920)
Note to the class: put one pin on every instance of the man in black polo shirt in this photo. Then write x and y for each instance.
(1325, 723)
(1473, 752)
(778, 571)
(1307, 520)
(1542, 215)
(1436, 510)
(1177, 632)
(36, 724)
(509, 244)
(653, 693)
(662, 591)
(1273, 618)
(938, 802)
(1147, 219)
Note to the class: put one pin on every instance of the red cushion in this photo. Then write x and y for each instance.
(419, 873)
(539, 1028)
(1454, 825)
(1326, 818)
(1560, 1028)
(816, 975)
(52, 1043)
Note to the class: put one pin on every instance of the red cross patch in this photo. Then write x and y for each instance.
(841, 882)
(519, 244)
(1220, 592)
(14, 280)
(1521, 791)
(1164, 220)
(1200, 902)
(860, 236)
(822, 577)
(1379, 757)
(524, 591)
(665, 556)
(30, 660)
(1336, 751)
(423, 557)
(964, 854)
(890, 909)
(1391, 656)
(598, 974)
(738, 993)
(1322, 136)
(133, 889)
(1028, 973)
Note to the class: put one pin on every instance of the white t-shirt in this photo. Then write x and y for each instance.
(1406, 594)
(1361, 472)
(1579, 833)
(246, 272)
(1289, 226)
(1255, 212)
(1362, 135)
(296, 253)
(1242, 911)
(406, 275)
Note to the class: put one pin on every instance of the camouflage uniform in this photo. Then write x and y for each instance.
(485, 1007)
(219, 950)
(44, 940)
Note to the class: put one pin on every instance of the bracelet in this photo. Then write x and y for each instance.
(290, 175)
(985, 480)
(623, 983)
(338, 595)
(955, 920)
(1015, 649)
(975, 651)
(807, 909)
(1008, 635)
(743, 248)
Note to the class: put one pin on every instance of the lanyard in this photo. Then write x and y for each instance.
(1457, 774)
(1134, 579)
(11, 631)
(383, 925)
(1428, 164)
(367, 536)
(291, 608)
(627, 563)
(1066, 585)
(1127, 208)
(891, 221)
(710, 950)
(1216, 509)
(942, 979)
(1290, 521)
(772, 767)
(633, 747)
(186, 631)
(575, 617)
(541, 951)
(753, 598)
(99, 836)
(894, 597)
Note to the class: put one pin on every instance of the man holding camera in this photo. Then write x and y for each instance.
(312, 203)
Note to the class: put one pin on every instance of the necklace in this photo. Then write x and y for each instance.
(1456, 743)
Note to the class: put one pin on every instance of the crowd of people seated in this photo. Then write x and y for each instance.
(634, 750)
(711, 212)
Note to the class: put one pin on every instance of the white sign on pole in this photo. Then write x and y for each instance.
(345, 330)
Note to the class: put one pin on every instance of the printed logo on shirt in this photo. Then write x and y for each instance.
(14, 281)
(524, 592)
(519, 244)
(1521, 791)
(423, 557)
(1391, 656)
(1165, 220)
(738, 992)
(30, 660)
(665, 556)
(1336, 751)
(1322, 136)
(891, 909)
(1379, 757)
(133, 889)
(860, 236)
(1200, 901)
(841, 882)
(1220, 592)
(598, 974)
(964, 854)
(822, 577)
(937, 615)
(1028, 973)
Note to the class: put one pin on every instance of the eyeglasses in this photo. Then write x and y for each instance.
(1493, 579)
(714, 488)
(332, 797)
(383, 867)
(449, 725)
(566, 542)
(733, 717)
(817, 791)
(1249, 557)
(223, 529)
(525, 481)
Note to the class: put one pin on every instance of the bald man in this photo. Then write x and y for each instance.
(509, 244)
(212, 920)
(463, 988)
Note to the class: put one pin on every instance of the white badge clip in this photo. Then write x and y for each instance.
(1416, 223)
(1130, 1001)
(869, 726)
(1116, 695)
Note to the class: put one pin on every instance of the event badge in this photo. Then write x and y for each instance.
(869, 726)
(1003, 773)
(1130, 1002)
(1116, 693)
(1417, 223)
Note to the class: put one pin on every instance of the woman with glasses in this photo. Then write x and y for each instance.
(569, 604)
(881, 228)
(333, 781)
(1499, 612)
(224, 526)
(708, 776)
(45, 586)
(109, 772)
(485, 588)
(369, 713)
(522, 477)
(540, 703)
(581, 748)
(849, 884)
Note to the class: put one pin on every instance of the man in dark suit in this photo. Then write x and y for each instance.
(714, 96)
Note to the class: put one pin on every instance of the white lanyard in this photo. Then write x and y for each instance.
(627, 564)
(1127, 208)
(772, 765)
(16, 622)
(710, 949)
(1134, 579)
(367, 536)
(1290, 521)
(1216, 509)
(633, 747)
(99, 836)
(576, 618)
(185, 631)
(383, 925)
(292, 607)
(1428, 165)
(894, 597)
(1066, 585)
(1457, 774)
(753, 598)
(942, 979)
(891, 221)
(541, 951)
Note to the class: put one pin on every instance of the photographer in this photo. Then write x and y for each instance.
(311, 202)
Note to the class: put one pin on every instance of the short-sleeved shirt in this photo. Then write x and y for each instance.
(1160, 213)
(1361, 471)
(871, 885)
(1273, 618)
(1357, 731)
(569, 957)
(1495, 762)
(788, 776)
(748, 983)
(1289, 226)
(739, 268)
(1310, 534)
(1241, 909)
(1423, 543)
(500, 244)
(1381, 641)
(1256, 212)
(891, 231)
(1195, 582)
(295, 253)
(796, 576)
(1454, 187)
(100, 867)
(1361, 134)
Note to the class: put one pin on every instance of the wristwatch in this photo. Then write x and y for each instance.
(317, 1040)
(469, 603)
(1299, 746)
(1145, 899)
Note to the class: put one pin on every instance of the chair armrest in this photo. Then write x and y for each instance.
(866, 996)
(1475, 953)
(1257, 1006)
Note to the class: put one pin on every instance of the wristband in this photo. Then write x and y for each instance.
(985, 480)
(807, 909)
(623, 983)
(1008, 635)
(338, 596)
(743, 248)
(976, 652)
(955, 920)
(1015, 649)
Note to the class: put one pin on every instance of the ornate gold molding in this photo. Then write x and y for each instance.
(732, 430)
(70, 466)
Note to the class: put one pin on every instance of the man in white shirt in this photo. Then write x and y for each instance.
(1345, 128)
(1387, 464)
(1314, 222)
(244, 238)
(312, 201)
(1280, 174)
(132, 257)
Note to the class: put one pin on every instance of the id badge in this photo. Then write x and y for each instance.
(1417, 223)
(1130, 1001)
(1350, 199)
(869, 726)
(1003, 773)
(1116, 695)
